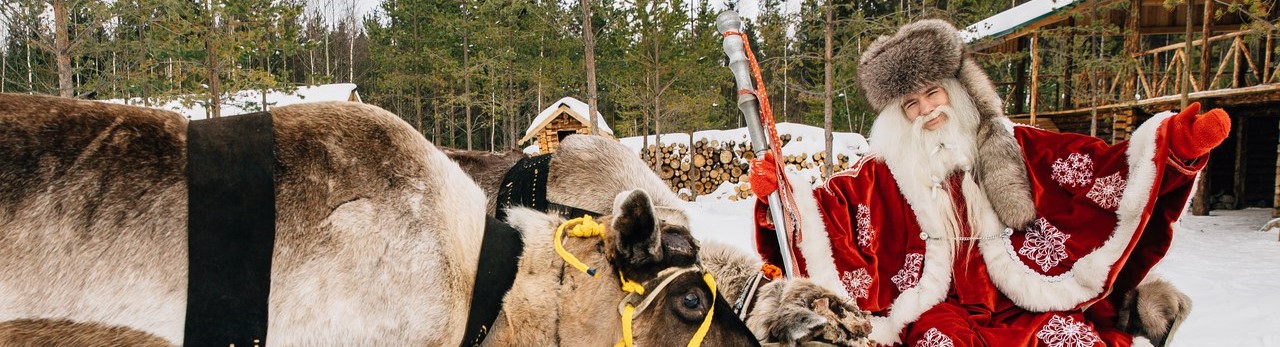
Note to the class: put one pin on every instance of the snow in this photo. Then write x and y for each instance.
(579, 107)
(248, 101)
(1235, 293)
(1004, 22)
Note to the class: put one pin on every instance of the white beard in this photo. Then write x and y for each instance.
(921, 160)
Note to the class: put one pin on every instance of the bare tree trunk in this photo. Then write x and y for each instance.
(30, 74)
(211, 64)
(62, 47)
(657, 98)
(829, 76)
(327, 33)
(589, 54)
(466, 84)
(435, 122)
(4, 68)
(351, 42)
(541, 47)
(493, 118)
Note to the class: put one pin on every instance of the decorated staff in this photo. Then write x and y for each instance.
(754, 103)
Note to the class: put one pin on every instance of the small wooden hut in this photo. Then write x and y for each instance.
(563, 118)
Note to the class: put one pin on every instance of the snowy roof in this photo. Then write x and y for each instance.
(577, 110)
(248, 101)
(1011, 20)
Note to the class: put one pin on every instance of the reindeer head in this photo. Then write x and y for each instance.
(678, 303)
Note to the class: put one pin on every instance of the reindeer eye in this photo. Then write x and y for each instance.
(691, 300)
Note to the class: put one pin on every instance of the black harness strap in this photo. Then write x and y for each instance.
(496, 272)
(231, 221)
(525, 184)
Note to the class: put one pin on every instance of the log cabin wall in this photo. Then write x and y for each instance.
(549, 136)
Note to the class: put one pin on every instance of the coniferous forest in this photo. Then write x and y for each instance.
(467, 73)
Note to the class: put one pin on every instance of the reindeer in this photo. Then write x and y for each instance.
(377, 239)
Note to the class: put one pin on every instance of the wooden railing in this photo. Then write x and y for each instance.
(1160, 71)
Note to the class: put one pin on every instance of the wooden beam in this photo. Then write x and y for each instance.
(1035, 74)
(1275, 203)
(1239, 96)
(1020, 84)
(1166, 30)
(1248, 57)
(1197, 42)
(1238, 184)
(1266, 60)
(1226, 58)
(1205, 49)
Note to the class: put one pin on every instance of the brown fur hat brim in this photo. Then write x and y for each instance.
(898, 64)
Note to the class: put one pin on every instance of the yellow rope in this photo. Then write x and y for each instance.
(627, 339)
(706, 323)
(630, 286)
(585, 227)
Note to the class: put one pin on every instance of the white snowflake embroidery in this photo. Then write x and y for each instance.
(1106, 191)
(1045, 244)
(935, 338)
(865, 232)
(1066, 332)
(909, 276)
(857, 282)
(1076, 170)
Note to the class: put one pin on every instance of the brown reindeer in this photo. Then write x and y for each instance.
(377, 237)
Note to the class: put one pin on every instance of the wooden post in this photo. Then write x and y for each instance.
(1266, 60)
(1205, 51)
(1275, 203)
(1200, 203)
(1020, 82)
(1238, 184)
(1035, 75)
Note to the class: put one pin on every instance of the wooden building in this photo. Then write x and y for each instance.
(1148, 62)
(563, 118)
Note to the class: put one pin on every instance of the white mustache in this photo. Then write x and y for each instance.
(918, 124)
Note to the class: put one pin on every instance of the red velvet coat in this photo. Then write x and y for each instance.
(1105, 215)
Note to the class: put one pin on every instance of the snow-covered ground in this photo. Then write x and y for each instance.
(1229, 268)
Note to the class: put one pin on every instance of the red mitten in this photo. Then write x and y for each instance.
(764, 176)
(1192, 136)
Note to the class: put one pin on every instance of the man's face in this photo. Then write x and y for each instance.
(923, 102)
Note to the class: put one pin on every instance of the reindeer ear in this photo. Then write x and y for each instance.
(633, 237)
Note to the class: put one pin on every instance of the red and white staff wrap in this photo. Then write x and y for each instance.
(754, 103)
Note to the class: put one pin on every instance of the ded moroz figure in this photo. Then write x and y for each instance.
(964, 229)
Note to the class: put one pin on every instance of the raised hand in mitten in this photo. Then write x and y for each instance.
(1192, 135)
(764, 176)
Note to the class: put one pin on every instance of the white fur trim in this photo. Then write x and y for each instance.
(815, 243)
(1139, 341)
(1035, 292)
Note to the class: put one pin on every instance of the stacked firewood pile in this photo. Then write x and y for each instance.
(702, 168)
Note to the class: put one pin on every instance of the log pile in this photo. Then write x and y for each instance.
(700, 168)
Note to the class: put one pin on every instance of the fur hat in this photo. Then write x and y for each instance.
(928, 51)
